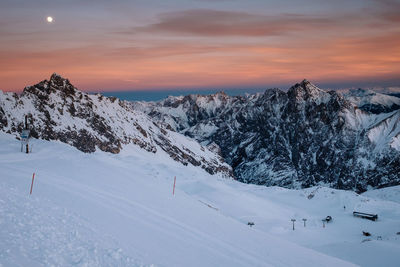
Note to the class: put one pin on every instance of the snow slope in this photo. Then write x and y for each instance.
(383, 130)
(390, 193)
(373, 101)
(106, 209)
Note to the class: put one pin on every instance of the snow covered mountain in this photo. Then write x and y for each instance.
(299, 138)
(372, 101)
(59, 111)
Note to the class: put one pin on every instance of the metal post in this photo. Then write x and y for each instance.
(293, 220)
(304, 220)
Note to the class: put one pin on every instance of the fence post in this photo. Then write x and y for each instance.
(173, 191)
(33, 178)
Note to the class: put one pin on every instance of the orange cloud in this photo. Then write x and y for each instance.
(205, 22)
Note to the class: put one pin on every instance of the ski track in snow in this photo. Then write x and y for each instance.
(34, 232)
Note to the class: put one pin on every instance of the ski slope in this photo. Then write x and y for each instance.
(106, 209)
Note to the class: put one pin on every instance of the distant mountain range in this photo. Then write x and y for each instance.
(299, 138)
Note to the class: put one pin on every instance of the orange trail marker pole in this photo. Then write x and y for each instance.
(33, 178)
(173, 191)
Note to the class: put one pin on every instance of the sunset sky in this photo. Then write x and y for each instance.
(188, 44)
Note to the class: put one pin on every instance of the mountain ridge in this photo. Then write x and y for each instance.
(299, 138)
(59, 111)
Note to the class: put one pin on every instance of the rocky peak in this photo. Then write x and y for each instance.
(272, 93)
(306, 91)
(60, 83)
(58, 80)
(221, 95)
(46, 87)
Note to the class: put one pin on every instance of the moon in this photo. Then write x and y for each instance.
(49, 19)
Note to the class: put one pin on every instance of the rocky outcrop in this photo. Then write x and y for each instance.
(59, 111)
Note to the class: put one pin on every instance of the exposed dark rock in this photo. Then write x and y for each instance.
(3, 119)
(377, 109)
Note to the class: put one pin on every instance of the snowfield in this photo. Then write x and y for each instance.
(105, 209)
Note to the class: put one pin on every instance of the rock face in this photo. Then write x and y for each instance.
(59, 111)
(299, 138)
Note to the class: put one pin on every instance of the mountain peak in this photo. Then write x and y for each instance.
(56, 84)
(58, 80)
(60, 83)
(222, 93)
(305, 90)
(307, 85)
(55, 76)
(305, 82)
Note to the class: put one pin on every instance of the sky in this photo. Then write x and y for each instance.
(200, 44)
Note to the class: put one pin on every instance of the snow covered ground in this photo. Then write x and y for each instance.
(104, 209)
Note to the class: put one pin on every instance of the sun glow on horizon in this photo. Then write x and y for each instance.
(222, 44)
